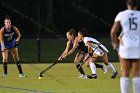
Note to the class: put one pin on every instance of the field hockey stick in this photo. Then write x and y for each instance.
(46, 69)
(84, 61)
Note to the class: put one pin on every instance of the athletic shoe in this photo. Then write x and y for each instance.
(104, 69)
(92, 76)
(82, 76)
(4, 75)
(114, 74)
(22, 76)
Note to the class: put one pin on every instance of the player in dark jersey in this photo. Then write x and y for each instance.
(82, 52)
(9, 38)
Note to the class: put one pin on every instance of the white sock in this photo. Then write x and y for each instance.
(93, 68)
(136, 84)
(124, 84)
(111, 67)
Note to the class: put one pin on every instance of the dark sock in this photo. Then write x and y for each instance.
(80, 69)
(19, 67)
(5, 67)
(98, 65)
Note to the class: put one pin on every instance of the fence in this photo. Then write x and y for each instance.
(51, 49)
(43, 24)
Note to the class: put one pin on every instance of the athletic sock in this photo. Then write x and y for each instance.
(5, 67)
(93, 68)
(136, 84)
(124, 84)
(80, 69)
(98, 65)
(111, 67)
(19, 67)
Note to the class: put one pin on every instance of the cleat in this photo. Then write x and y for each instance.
(82, 76)
(104, 69)
(22, 76)
(92, 76)
(4, 75)
(114, 74)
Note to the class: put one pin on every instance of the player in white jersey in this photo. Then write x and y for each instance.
(129, 47)
(96, 50)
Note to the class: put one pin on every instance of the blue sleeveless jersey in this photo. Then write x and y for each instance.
(9, 38)
(81, 46)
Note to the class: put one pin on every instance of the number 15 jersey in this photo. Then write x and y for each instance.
(130, 23)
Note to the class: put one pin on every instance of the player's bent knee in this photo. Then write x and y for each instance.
(16, 59)
(76, 62)
(4, 60)
(87, 65)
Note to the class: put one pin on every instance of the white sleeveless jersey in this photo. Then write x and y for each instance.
(130, 23)
(95, 43)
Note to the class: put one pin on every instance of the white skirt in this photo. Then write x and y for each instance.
(129, 52)
(100, 51)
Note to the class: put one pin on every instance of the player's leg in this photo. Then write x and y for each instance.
(15, 55)
(104, 58)
(102, 66)
(92, 66)
(135, 75)
(4, 60)
(77, 60)
(125, 80)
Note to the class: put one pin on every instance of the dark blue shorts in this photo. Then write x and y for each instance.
(10, 44)
(82, 52)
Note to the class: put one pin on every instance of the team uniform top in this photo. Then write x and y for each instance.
(81, 46)
(9, 38)
(97, 47)
(130, 23)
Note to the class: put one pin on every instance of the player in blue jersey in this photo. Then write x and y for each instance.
(82, 52)
(9, 38)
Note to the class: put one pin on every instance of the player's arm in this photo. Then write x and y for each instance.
(1, 38)
(88, 44)
(18, 35)
(120, 39)
(113, 34)
(120, 36)
(73, 48)
(65, 51)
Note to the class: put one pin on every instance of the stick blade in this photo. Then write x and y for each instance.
(40, 75)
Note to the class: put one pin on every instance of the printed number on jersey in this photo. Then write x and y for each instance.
(132, 23)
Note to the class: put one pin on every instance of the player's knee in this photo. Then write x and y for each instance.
(4, 60)
(93, 59)
(87, 64)
(76, 61)
(106, 63)
(16, 59)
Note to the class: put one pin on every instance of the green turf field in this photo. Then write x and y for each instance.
(59, 79)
